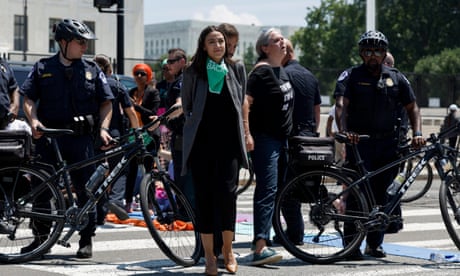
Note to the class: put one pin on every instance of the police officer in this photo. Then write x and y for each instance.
(72, 93)
(9, 95)
(371, 105)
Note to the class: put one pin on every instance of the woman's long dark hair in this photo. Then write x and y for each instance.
(200, 56)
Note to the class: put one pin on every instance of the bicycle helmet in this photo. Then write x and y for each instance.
(453, 107)
(373, 39)
(69, 29)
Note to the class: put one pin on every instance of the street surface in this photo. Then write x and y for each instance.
(129, 250)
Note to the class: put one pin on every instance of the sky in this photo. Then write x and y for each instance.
(257, 12)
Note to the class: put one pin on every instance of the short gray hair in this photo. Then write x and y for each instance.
(264, 40)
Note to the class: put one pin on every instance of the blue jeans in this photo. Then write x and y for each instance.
(267, 152)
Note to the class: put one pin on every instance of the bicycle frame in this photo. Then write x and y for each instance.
(75, 216)
(435, 150)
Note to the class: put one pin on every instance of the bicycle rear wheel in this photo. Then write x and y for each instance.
(246, 178)
(172, 231)
(31, 219)
(449, 201)
(418, 188)
(307, 202)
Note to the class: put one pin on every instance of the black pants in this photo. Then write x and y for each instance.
(73, 149)
(375, 153)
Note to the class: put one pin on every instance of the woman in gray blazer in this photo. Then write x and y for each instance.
(213, 96)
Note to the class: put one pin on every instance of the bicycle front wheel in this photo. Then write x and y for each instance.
(31, 214)
(449, 201)
(418, 188)
(170, 220)
(307, 221)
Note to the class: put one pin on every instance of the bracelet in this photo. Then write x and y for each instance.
(417, 134)
(106, 129)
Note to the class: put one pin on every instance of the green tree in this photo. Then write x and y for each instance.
(249, 57)
(446, 62)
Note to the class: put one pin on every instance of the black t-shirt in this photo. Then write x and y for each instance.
(306, 89)
(273, 99)
(7, 85)
(375, 102)
(120, 93)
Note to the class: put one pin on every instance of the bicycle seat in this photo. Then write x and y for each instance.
(53, 132)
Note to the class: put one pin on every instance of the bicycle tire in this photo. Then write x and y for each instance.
(183, 246)
(418, 188)
(449, 202)
(19, 205)
(246, 178)
(317, 211)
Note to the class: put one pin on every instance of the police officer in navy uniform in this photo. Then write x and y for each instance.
(371, 105)
(59, 90)
(9, 95)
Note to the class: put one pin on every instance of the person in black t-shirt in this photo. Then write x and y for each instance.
(270, 96)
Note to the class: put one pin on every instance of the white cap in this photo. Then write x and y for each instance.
(453, 107)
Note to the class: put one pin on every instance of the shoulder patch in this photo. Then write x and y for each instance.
(343, 76)
(102, 77)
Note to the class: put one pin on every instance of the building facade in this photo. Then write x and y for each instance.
(184, 34)
(42, 14)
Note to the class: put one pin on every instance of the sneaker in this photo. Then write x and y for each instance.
(355, 256)
(85, 251)
(6, 228)
(375, 252)
(267, 256)
(118, 211)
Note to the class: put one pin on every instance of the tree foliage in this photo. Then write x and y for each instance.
(447, 62)
(414, 28)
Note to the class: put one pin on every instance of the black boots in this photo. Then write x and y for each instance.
(85, 250)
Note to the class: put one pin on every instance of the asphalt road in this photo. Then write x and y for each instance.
(129, 250)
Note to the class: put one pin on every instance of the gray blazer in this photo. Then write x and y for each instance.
(193, 94)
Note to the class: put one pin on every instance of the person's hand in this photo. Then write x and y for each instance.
(105, 136)
(156, 125)
(352, 137)
(418, 141)
(35, 132)
(249, 142)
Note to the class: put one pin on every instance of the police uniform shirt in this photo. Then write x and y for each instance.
(375, 102)
(7, 85)
(66, 91)
(306, 95)
(271, 110)
(121, 100)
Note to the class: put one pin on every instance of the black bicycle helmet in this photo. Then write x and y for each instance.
(373, 39)
(69, 29)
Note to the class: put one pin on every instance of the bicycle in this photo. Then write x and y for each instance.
(319, 190)
(45, 203)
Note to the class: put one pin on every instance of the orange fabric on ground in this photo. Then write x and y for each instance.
(177, 225)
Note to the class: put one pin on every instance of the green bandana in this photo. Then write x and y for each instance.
(216, 75)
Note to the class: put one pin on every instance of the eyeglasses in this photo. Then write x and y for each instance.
(370, 52)
(140, 73)
(172, 61)
(81, 41)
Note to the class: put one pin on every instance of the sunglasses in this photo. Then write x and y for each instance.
(370, 52)
(172, 61)
(81, 41)
(140, 73)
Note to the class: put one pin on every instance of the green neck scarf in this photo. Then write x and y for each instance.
(216, 75)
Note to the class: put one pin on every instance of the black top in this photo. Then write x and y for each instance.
(306, 96)
(7, 85)
(66, 91)
(271, 110)
(375, 102)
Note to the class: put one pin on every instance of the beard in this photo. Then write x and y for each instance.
(373, 66)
